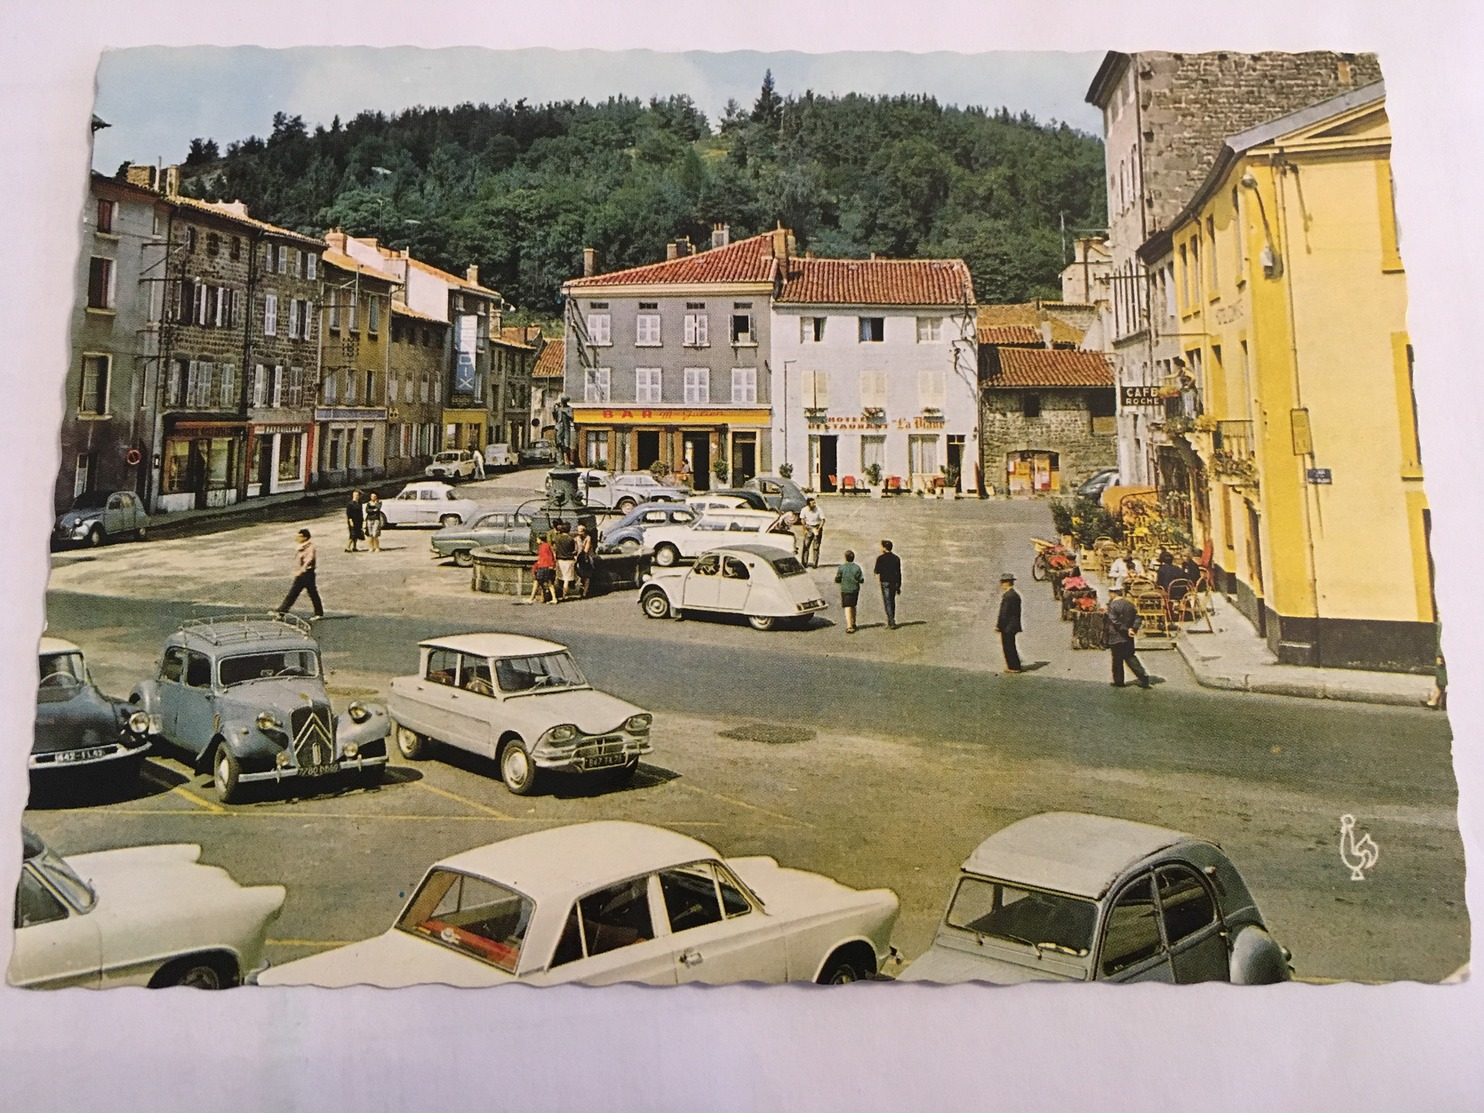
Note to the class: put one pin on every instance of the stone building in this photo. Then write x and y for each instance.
(1084, 281)
(547, 388)
(355, 356)
(106, 430)
(513, 354)
(1048, 417)
(1165, 117)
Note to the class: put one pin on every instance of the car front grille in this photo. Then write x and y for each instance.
(600, 747)
(314, 741)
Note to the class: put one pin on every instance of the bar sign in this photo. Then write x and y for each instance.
(1320, 475)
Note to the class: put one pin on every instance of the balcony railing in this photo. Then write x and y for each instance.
(1234, 438)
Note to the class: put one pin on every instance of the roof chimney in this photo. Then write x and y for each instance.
(140, 175)
(589, 262)
(721, 235)
(1046, 333)
(780, 241)
(172, 181)
(472, 274)
(672, 252)
(336, 240)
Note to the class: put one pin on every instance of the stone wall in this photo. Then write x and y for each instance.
(1190, 103)
(1064, 427)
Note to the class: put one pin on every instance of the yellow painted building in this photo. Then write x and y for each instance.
(1295, 435)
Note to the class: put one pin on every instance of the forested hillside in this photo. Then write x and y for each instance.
(521, 189)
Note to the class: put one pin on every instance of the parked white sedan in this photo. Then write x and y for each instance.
(599, 903)
(768, 586)
(143, 915)
(429, 503)
(522, 702)
(672, 544)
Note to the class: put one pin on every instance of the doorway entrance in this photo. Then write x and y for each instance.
(265, 465)
(1032, 472)
(647, 447)
(698, 460)
(827, 477)
(744, 457)
(956, 458)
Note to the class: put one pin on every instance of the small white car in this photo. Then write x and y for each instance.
(429, 503)
(143, 916)
(623, 491)
(455, 463)
(599, 903)
(672, 544)
(767, 585)
(707, 504)
(520, 701)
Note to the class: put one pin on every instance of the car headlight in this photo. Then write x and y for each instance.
(359, 712)
(351, 749)
(139, 723)
(564, 733)
(281, 759)
(269, 721)
(638, 724)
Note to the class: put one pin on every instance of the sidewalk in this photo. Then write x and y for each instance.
(1234, 658)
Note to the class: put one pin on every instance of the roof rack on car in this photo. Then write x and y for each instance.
(225, 628)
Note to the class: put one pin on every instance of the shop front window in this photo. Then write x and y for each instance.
(290, 446)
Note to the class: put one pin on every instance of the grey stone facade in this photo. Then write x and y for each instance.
(1065, 426)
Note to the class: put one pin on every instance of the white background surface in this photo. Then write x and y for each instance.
(872, 1047)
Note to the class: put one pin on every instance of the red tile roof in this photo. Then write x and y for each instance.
(236, 212)
(1027, 314)
(550, 362)
(1051, 367)
(749, 260)
(877, 282)
(1010, 334)
(402, 311)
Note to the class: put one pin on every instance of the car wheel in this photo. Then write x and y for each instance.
(625, 505)
(517, 769)
(141, 534)
(450, 520)
(762, 621)
(410, 744)
(95, 536)
(666, 555)
(629, 546)
(226, 771)
(463, 557)
(842, 970)
(656, 605)
(194, 973)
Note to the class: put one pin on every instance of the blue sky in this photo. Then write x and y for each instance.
(157, 99)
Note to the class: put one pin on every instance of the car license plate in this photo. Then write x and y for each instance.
(317, 770)
(603, 761)
(82, 755)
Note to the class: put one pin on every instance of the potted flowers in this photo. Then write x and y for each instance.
(873, 479)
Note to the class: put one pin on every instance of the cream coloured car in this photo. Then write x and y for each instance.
(599, 903)
(672, 544)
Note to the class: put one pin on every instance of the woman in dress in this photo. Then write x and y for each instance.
(375, 519)
(543, 573)
(584, 559)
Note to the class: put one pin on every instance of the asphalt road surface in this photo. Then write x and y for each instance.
(879, 760)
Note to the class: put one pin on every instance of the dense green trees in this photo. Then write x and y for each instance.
(521, 189)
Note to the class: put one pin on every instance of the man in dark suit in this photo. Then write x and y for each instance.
(1009, 622)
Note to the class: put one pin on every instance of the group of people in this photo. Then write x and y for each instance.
(1123, 623)
(1175, 577)
(851, 577)
(564, 559)
(364, 522)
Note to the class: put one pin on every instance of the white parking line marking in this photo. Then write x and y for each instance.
(463, 800)
(744, 804)
(181, 790)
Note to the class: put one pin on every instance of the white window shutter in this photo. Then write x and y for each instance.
(691, 322)
(309, 317)
(270, 317)
(313, 266)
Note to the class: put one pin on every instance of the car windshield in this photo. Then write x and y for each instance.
(62, 674)
(1032, 917)
(470, 915)
(90, 500)
(60, 874)
(787, 566)
(266, 666)
(546, 670)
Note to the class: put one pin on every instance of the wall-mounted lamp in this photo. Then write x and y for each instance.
(1272, 262)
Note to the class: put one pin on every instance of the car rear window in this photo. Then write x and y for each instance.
(787, 566)
(471, 915)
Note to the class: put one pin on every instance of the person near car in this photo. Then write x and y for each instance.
(478, 464)
(1123, 624)
(850, 577)
(1008, 623)
(304, 561)
(585, 549)
(889, 571)
(355, 522)
(813, 518)
(565, 548)
(375, 518)
(543, 573)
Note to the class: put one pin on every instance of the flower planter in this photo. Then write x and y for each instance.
(1089, 629)
(1074, 601)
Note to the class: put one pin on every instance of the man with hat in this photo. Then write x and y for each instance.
(1009, 622)
(813, 519)
(1123, 624)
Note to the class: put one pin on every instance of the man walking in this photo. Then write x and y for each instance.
(355, 521)
(889, 572)
(1123, 624)
(565, 548)
(813, 519)
(478, 464)
(1009, 622)
(303, 578)
(850, 577)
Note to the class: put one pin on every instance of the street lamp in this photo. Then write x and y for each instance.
(785, 407)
